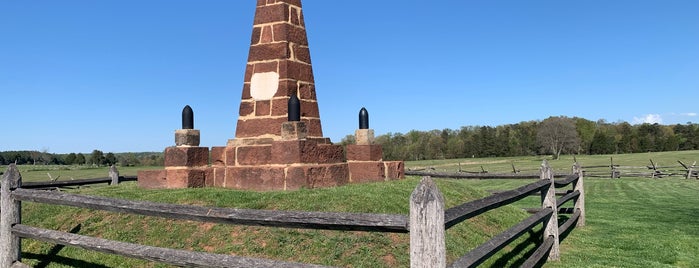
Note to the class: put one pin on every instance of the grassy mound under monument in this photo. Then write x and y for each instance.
(346, 249)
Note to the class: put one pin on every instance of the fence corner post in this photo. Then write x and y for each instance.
(10, 214)
(114, 174)
(548, 200)
(427, 241)
(579, 185)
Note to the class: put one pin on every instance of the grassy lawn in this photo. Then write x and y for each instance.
(336, 248)
(631, 222)
(63, 173)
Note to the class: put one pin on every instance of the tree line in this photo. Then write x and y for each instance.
(96, 158)
(555, 135)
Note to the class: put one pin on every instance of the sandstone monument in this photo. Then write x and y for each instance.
(279, 143)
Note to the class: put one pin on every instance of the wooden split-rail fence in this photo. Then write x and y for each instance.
(426, 223)
(653, 170)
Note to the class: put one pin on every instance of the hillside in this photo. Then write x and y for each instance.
(347, 249)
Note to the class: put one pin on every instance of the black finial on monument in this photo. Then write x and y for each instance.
(363, 119)
(294, 108)
(187, 118)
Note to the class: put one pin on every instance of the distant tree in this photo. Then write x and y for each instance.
(434, 145)
(586, 131)
(70, 159)
(80, 159)
(97, 157)
(110, 159)
(2, 160)
(602, 143)
(127, 160)
(35, 156)
(349, 139)
(557, 135)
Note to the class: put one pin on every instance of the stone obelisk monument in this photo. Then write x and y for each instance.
(279, 65)
(279, 143)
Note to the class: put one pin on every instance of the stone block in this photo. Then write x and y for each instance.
(323, 153)
(309, 109)
(272, 51)
(152, 179)
(185, 178)
(294, 131)
(271, 13)
(287, 152)
(246, 108)
(316, 176)
(215, 176)
(263, 67)
(284, 32)
(187, 137)
(314, 127)
(294, 70)
(366, 171)
(364, 152)
(364, 136)
(263, 107)
(306, 151)
(261, 178)
(218, 156)
(394, 170)
(254, 155)
(182, 156)
(256, 127)
(248, 141)
(230, 153)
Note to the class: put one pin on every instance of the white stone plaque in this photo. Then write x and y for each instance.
(263, 86)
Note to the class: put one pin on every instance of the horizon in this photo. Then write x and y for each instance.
(114, 75)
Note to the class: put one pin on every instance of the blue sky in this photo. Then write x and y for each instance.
(113, 75)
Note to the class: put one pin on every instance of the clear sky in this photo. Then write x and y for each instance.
(114, 75)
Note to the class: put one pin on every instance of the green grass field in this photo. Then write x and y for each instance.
(631, 222)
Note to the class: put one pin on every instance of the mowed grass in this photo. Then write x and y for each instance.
(631, 222)
(66, 173)
(335, 248)
(531, 164)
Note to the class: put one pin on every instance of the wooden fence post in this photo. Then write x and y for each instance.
(10, 214)
(114, 174)
(579, 186)
(548, 200)
(427, 242)
(615, 173)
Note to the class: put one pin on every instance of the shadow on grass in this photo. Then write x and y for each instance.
(534, 239)
(533, 242)
(52, 256)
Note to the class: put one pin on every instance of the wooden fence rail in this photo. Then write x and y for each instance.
(426, 223)
(654, 170)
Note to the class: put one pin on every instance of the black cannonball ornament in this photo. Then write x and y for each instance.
(294, 109)
(187, 118)
(363, 119)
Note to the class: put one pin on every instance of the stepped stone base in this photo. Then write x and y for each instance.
(275, 165)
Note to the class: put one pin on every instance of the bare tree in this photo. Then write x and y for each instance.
(558, 134)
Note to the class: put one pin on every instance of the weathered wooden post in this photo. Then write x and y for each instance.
(114, 174)
(427, 242)
(615, 173)
(548, 200)
(688, 168)
(580, 187)
(10, 214)
(655, 169)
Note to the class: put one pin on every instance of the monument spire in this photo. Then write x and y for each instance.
(279, 65)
